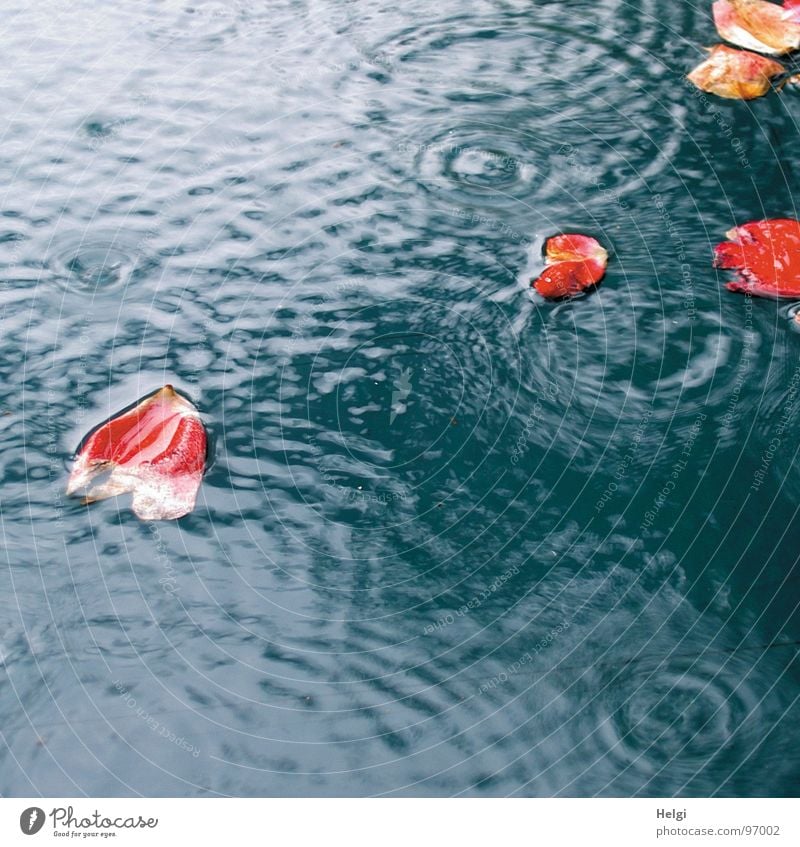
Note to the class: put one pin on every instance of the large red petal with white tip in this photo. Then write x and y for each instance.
(791, 11)
(156, 450)
(574, 263)
(766, 255)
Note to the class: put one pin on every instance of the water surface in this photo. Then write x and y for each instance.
(454, 540)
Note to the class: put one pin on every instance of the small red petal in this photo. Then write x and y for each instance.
(766, 255)
(156, 450)
(574, 263)
(565, 279)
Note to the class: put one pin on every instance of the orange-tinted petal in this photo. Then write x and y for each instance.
(766, 255)
(737, 74)
(757, 25)
(564, 248)
(574, 263)
(156, 450)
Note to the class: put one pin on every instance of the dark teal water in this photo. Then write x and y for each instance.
(454, 540)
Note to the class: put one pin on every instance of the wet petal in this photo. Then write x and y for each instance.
(574, 263)
(156, 450)
(791, 11)
(766, 255)
(757, 25)
(737, 74)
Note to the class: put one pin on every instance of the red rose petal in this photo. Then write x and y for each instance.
(757, 25)
(574, 263)
(156, 450)
(791, 11)
(736, 74)
(766, 255)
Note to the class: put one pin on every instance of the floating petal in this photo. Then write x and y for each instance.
(758, 25)
(574, 263)
(736, 74)
(766, 255)
(156, 450)
(791, 11)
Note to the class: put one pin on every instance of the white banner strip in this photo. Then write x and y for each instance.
(402, 822)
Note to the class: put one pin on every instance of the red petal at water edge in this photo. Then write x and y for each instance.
(766, 255)
(157, 450)
(791, 11)
(758, 25)
(736, 74)
(574, 263)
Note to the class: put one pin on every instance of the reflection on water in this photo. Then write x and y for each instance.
(454, 540)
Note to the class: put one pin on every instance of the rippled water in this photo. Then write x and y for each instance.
(454, 540)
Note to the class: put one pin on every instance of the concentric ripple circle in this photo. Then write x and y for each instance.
(98, 261)
(528, 111)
